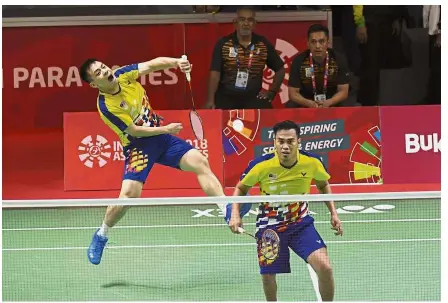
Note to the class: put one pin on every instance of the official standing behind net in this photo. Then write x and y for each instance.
(319, 77)
(281, 226)
(238, 61)
(124, 106)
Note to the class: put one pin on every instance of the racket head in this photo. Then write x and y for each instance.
(196, 125)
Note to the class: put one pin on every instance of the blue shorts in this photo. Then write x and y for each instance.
(142, 153)
(273, 246)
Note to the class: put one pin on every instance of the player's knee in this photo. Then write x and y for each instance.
(325, 268)
(203, 163)
(268, 279)
(129, 192)
(131, 189)
(200, 164)
(194, 161)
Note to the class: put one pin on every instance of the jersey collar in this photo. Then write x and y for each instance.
(119, 91)
(279, 163)
(254, 40)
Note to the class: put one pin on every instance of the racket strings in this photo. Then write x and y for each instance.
(195, 119)
(196, 125)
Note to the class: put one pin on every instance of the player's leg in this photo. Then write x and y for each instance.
(138, 163)
(194, 161)
(273, 258)
(179, 154)
(114, 213)
(270, 287)
(320, 262)
(309, 245)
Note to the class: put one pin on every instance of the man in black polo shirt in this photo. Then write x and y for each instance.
(236, 72)
(319, 76)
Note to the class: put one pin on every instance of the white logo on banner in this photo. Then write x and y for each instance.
(287, 51)
(55, 76)
(94, 153)
(415, 143)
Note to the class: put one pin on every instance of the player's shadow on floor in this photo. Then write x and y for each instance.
(130, 284)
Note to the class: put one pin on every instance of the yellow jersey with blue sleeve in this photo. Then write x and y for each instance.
(129, 105)
(275, 179)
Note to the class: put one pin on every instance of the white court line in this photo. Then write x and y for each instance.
(134, 246)
(212, 245)
(205, 225)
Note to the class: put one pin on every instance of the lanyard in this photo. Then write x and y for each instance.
(313, 76)
(249, 64)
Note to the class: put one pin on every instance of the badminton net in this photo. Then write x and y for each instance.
(181, 249)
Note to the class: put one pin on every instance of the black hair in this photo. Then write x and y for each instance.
(84, 69)
(317, 28)
(245, 8)
(286, 125)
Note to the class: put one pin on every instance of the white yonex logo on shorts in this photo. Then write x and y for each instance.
(91, 152)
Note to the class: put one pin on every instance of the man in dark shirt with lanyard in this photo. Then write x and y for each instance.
(236, 72)
(319, 76)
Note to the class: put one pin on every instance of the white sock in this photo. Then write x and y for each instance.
(104, 230)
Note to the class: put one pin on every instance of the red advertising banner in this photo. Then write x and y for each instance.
(93, 154)
(411, 144)
(347, 139)
(40, 65)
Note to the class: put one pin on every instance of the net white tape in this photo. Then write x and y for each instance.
(219, 200)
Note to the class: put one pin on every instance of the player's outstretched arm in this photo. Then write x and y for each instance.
(162, 63)
(324, 188)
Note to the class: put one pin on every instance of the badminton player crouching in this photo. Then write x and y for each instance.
(281, 226)
(124, 106)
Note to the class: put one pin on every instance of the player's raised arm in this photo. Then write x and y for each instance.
(162, 63)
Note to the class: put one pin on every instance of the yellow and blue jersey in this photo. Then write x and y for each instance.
(274, 179)
(129, 105)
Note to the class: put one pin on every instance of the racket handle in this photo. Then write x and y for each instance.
(242, 231)
(184, 57)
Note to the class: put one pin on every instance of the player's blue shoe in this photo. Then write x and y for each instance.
(95, 250)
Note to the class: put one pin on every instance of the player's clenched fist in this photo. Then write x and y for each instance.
(184, 65)
(234, 223)
(174, 128)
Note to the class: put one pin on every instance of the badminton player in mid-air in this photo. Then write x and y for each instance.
(281, 226)
(124, 106)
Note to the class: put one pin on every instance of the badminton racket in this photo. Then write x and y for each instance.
(242, 231)
(195, 119)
